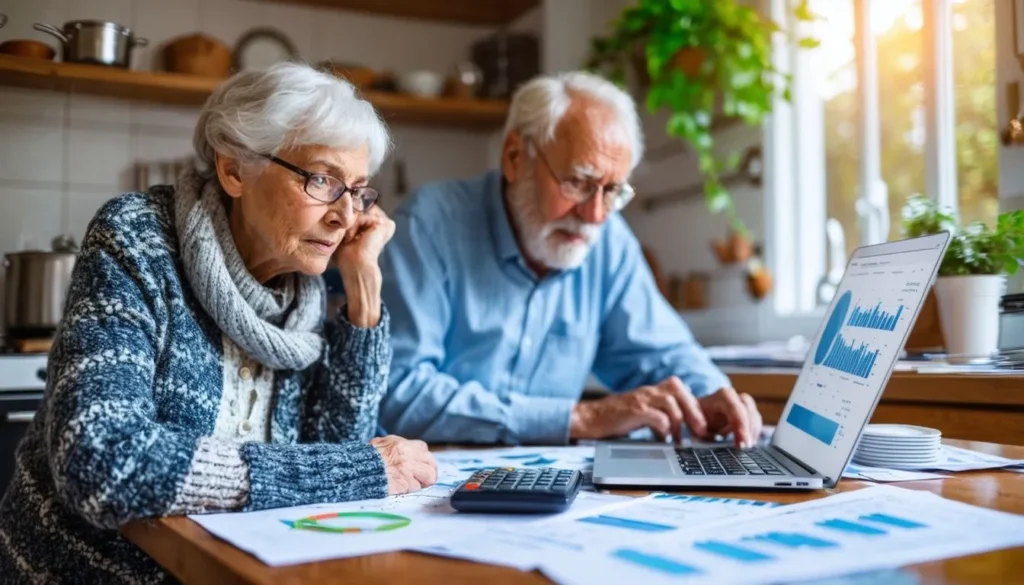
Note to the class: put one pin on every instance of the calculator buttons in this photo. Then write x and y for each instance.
(510, 489)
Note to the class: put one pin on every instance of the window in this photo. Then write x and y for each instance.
(900, 96)
(977, 135)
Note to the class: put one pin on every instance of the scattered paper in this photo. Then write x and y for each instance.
(870, 529)
(527, 547)
(302, 534)
(598, 528)
(882, 475)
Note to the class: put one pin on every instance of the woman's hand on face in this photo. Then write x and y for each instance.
(409, 464)
(356, 258)
(364, 241)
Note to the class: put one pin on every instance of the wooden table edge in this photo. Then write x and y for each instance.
(194, 555)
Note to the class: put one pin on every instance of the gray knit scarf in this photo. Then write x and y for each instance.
(280, 327)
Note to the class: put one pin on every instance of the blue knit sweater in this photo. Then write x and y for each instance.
(135, 380)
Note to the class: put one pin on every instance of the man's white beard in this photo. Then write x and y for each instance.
(538, 237)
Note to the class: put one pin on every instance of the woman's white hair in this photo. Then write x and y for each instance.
(539, 104)
(261, 112)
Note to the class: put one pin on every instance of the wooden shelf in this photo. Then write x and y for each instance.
(175, 88)
(476, 12)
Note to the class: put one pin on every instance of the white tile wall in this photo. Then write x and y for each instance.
(26, 104)
(62, 156)
(296, 22)
(81, 209)
(228, 20)
(37, 219)
(98, 157)
(157, 147)
(159, 21)
(22, 14)
(181, 119)
(31, 151)
(108, 112)
(398, 45)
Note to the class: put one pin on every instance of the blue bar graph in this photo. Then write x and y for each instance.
(540, 462)
(626, 523)
(724, 549)
(845, 358)
(655, 562)
(793, 540)
(813, 424)
(847, 526)
(876, 318)
(893, 521)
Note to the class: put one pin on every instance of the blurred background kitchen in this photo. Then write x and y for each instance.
(889, 99)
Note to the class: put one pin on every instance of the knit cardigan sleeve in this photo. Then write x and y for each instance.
(113, 462)
(343, 391)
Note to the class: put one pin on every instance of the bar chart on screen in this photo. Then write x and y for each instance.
(856, 346)
(875, 318)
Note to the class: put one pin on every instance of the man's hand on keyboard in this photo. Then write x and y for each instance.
(727, 411)
(663, 408)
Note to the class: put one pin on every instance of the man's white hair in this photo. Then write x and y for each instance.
(287, 105)
(539, 104)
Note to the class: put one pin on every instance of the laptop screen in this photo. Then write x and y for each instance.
(856, 347)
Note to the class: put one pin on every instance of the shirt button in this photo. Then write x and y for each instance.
(245, 373)
(244, 428)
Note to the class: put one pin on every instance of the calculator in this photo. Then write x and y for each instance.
(511, 490)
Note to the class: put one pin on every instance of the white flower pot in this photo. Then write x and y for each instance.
(969, 314)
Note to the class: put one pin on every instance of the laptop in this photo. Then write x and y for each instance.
(846, 369)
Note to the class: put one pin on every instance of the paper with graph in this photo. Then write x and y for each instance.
(869, 529)
(529, 546)
(303, 534)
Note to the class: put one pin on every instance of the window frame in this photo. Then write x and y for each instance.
(795, 191)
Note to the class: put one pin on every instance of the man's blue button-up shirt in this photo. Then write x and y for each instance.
(485, 351)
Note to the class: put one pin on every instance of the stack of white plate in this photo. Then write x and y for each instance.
(898, 447)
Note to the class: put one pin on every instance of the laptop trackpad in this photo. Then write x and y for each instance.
(639, 454)
(642, 462)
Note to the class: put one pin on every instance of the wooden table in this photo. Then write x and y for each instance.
(194, 556)
(977, 407)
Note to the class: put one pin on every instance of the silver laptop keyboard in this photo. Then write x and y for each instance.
(725, 461)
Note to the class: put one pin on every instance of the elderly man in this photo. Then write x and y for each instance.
(506, 291)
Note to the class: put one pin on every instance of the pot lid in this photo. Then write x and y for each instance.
(77, 24)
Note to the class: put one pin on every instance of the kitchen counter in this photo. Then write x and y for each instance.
(977, 407)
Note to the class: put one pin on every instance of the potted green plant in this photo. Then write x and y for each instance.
(701, 60)
(972, 276)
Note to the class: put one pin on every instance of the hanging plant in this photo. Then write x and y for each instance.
(701, 60)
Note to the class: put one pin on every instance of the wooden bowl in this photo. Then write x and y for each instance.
(198, 55)
(28, 48)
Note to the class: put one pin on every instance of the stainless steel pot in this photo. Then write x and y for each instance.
(95, 41)
(35, 288)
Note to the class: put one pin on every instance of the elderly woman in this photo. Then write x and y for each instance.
(195, 369)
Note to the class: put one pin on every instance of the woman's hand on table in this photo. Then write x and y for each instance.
(409, 464)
